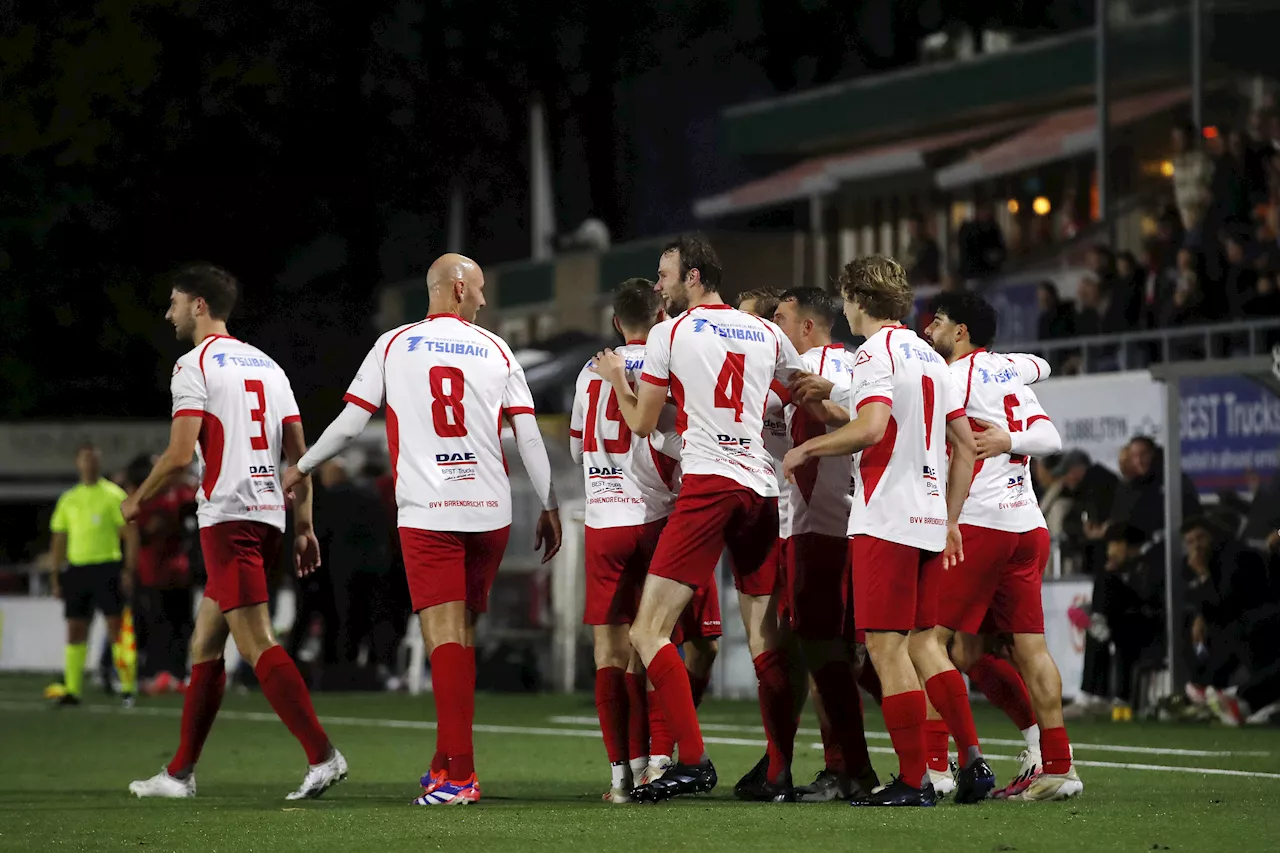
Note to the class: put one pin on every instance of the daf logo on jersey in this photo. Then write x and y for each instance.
(418, 342)
(603, 481)
(223, 359)
(262, 470)
(734, 446)
(1002, 376)
(456, 467)
(1015, 486)
(263, 478)
(736, 332)
(593, 471)
(931, 481)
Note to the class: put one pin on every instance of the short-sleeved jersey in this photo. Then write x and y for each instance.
(446, 384)
(902, 480)
(245, 400)
(720, 363)
(628, 481)
(90, 517)
(818, 501)
(1001, 497)
(777, 441)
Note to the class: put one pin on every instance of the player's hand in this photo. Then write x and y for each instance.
(129, 508)
(795, 458)
(55, 585)
(126, 585)
(546, 535)
(306, 553)
(810, 388)
(292, 477)
(993, 440)
(610, 367)
(953, 554)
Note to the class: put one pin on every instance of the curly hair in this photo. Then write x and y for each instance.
(879, 285)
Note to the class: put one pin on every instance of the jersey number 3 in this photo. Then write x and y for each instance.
(258, 415)
(446, 406)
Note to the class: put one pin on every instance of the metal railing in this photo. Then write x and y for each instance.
(1136, 350)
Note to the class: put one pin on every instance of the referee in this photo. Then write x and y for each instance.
(87, 531)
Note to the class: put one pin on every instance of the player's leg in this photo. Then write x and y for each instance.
(124, 652)
(638, 716)
(885, 580)
(947, 692)
(701, 624)
(200, 703)
(1019, 609)
(1000, 682)
(757, 776)
(77, 602)
(937, 740)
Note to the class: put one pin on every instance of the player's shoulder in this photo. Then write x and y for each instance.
(113, 490)
(384, 340)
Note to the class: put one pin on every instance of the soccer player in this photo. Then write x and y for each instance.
(237, 404)
(1006, 544)
(630, 489)
(88, 530)
(446, 384)
(904, 523)
(815, 550)
(717, 363)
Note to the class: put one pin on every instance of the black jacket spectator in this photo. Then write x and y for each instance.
(982, 249)
(1139, 501)
(1057, 318)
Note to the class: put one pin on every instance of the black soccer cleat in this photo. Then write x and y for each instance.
(67, 700)
(680, 779)
(753, 778)
(764, 791)
(975, 782)
(898, 793)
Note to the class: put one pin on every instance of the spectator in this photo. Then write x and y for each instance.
(1128, 605)
(922, 257)
(1128, 292)
(1089, 489)
(982, 248)
(1192, 174)
(1228, 194)
(1139, 501)
(1241, 280)
(1057, 318)
(1089, 307)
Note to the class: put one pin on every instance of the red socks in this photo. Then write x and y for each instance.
(661, 741)
(948, 694)
(1004, 688)
(1055, 751)
(453, 682)
(904, 715)
(284, 688)
(843, 706)
(611, 707)
(777, 710)
(671, 688)
(936, 739)
(698, 687)
(637, 717)
(199, 708)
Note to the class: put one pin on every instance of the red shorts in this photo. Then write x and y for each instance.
(444, 567)
(895, 586)
(816, 584)
(997, 587)
(711, 514)
(617, 561)
(701, 619)
(237, 555)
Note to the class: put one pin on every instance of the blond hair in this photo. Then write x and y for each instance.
(879, 285)
(766, 299)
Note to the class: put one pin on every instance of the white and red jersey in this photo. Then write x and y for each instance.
(628, 482)
(1001, 497)
(720, 363)
(777, 440)
(244, 399)
(818, 501)
(446, 384)
(902, 480)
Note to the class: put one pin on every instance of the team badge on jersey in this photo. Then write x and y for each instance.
(862, 358)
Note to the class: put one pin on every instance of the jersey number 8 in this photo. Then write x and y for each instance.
(447, 414)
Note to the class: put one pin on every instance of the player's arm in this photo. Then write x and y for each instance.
(858, 434)
(640, 408)
(517, 405)
(577, 421)
(1038, 436)
(816, 396)
(183, 435)
(363, 398)
(959, 471)
(57, 546)
(1032, 368)
(306, 548)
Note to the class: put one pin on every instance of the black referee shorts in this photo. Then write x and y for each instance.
(92, 587)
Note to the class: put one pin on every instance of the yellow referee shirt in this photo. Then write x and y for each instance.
(91, 518)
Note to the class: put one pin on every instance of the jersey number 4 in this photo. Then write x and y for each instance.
(447, 414)
(728, 393)
(622, 443)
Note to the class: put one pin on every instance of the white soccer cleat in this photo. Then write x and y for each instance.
(655, 771)
(164, 785)
(1047, 787)
(321, 777)
(617, 796)
(943, 783)
(1229, 707)
(1029, 769)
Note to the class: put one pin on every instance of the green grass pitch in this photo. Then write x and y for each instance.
(64, 775)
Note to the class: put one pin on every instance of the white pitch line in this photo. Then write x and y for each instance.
(426, 725)
(1100, 747)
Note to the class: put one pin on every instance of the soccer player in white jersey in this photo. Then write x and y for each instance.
(813, 527)
(446, 384)
(1006, 542)
(717, 363)
(237, 405)
(905, 519)
(630, 487)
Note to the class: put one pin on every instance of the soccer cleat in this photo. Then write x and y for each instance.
(55, 691)
(127, 701)
(450, 793)
(164, 785)
(679, 779)
(974, 782)
(896, 794)
(1048, 787)
(655, 771)
(321, 777)
(1228, 707)
(67, 700)
(1029, 769)
(864, 783)
(753, 778)
(828, 785)
(433, 779)
(764, 791)
(944, 784)
(617, 796)
(1121, 712)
